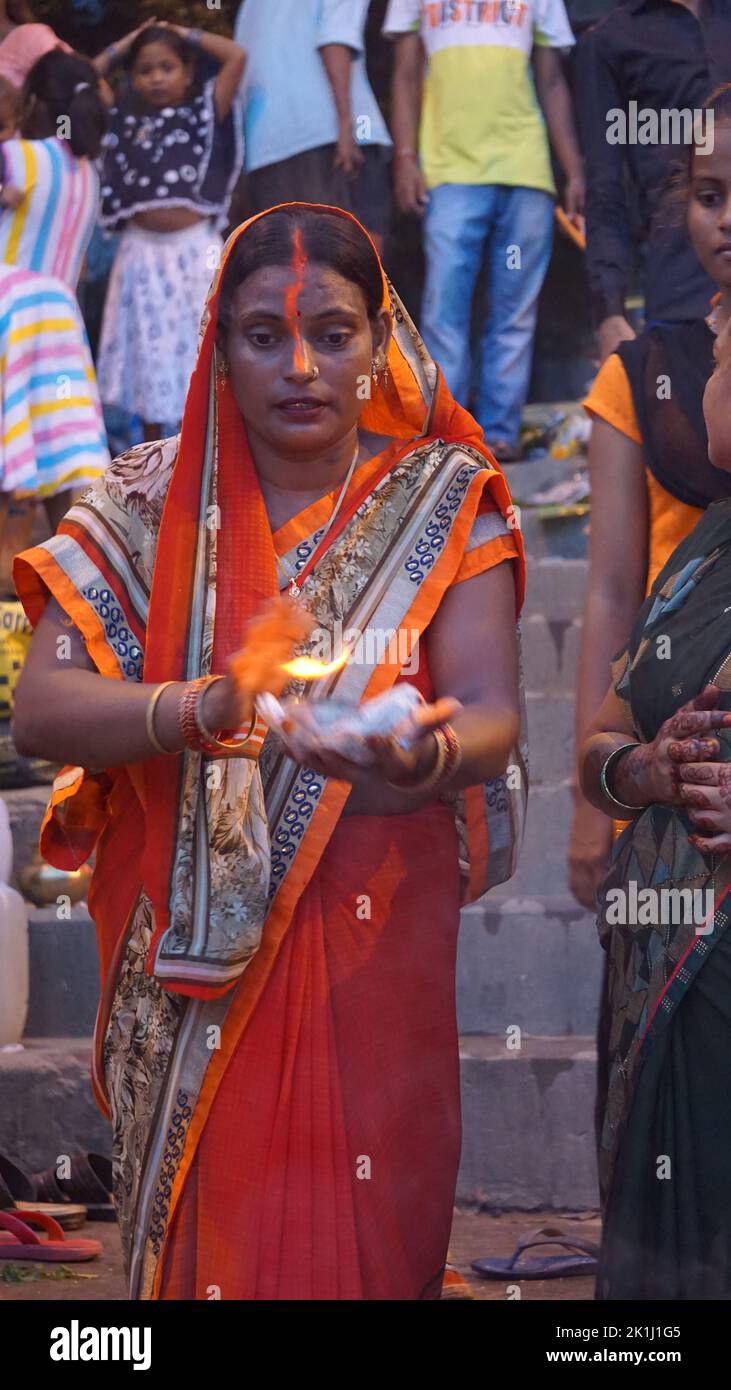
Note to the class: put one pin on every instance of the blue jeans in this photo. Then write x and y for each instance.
(517, 226)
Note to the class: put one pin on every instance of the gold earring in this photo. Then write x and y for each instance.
(221, 367)
(379, 369)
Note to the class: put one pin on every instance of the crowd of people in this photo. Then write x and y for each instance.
(306, 907)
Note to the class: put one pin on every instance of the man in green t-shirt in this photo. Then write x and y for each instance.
(481, 174)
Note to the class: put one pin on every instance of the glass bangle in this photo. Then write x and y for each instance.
(615, 753)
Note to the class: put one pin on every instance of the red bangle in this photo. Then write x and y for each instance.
(210, 736)
(453, 747)
(187, 716)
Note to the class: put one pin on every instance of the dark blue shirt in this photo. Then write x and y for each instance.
(657, 54)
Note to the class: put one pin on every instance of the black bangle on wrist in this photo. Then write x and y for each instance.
(603, 776)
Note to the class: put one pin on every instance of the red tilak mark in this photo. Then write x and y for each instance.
(292, 294)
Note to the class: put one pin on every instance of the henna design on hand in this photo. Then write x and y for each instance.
(704, 773)
(724, 783)
(693, 796)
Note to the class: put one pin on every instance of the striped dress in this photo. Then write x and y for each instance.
(51, 429)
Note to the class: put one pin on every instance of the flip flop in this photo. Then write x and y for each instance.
(17, 1194)
(19, 1242)
(90, 1182)
(585, 1262)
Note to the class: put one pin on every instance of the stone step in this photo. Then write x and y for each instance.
(550, 654)
(550, 738)
(550, 537)
(26, 809)
(528, 1124)
(555, 588)
(525, 960)
(556, 537)
(526, 1116)
(64, 974)
(46, 1101)
(542, 865)
(529, 963)
(539, 472)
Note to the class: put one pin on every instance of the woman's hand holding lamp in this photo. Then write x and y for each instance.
(212, 710)
(227, 702)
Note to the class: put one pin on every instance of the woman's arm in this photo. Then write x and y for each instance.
(472, 653)
(615, 589)
(473, 656)
(648, 773)
(555, 99)
(67, 712)
(617, 572)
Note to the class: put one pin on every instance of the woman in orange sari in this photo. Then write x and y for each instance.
(276, 1042)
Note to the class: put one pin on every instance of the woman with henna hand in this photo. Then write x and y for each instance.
(659, 754)
(648, 462)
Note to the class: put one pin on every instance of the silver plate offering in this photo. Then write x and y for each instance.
(309, 727)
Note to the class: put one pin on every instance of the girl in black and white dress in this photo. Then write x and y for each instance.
(173, 154)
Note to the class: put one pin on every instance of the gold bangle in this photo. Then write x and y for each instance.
(150, 718)
(431, 779)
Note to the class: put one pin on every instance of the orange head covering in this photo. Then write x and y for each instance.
(413, 402)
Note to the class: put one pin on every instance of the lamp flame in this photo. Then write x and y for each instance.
(308, 668)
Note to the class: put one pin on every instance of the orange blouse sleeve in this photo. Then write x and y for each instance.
(491, 540)
(610, 397)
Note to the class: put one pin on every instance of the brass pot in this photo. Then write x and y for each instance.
(42, 884)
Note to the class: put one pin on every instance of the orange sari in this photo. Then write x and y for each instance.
(276, 1043)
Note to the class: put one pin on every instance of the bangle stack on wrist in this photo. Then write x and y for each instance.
(449, 757)
(194, 734)
(194, 730)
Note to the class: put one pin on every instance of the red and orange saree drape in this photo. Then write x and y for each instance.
(276, 1041)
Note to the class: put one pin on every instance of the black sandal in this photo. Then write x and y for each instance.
(19, 1195)
(90, 1182)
